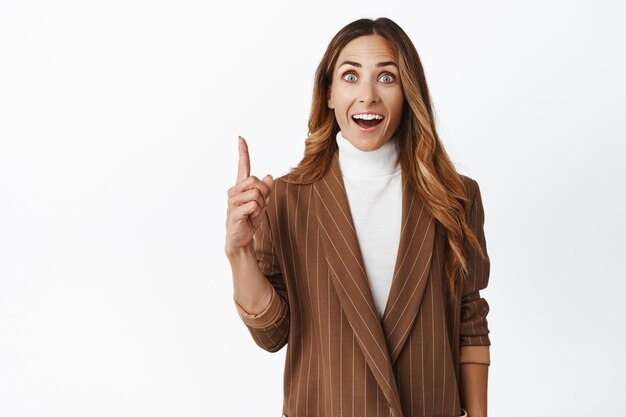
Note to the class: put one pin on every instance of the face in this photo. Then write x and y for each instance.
(366, 93)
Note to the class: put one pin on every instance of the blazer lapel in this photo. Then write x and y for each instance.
(343, 254)
(411, 270)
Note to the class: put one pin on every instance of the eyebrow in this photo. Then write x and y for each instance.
(380, 64)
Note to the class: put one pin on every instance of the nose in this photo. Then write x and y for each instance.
(367, 93)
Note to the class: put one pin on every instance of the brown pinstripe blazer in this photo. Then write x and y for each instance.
(342, 358)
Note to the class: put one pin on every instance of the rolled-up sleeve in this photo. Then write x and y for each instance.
(270, 314)
(474, 335)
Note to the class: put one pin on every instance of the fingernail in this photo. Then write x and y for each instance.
(267, 201)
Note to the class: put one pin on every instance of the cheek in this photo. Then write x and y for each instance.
(398, 106)
(396, 110)
(395, 101)
(341, 108)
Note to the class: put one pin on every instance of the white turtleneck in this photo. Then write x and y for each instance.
(373, 184)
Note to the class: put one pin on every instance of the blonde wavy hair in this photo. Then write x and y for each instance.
(422, 156)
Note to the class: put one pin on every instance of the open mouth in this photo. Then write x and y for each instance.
(368, 120)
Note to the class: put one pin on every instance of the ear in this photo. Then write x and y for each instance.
(331, 103)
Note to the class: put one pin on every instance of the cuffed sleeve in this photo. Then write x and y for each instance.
(475, 354)
(474, 308)
(269, 315)
(270, 327)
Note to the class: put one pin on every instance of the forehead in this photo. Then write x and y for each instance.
(367, 48)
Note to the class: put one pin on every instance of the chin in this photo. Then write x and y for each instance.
(368, 144)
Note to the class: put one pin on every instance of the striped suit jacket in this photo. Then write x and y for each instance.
(342, 358)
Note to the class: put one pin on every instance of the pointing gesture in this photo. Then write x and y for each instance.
(244, 161)
(247, 200)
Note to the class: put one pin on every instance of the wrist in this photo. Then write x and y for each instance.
(239, 253)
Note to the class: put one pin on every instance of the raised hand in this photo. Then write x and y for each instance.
(246, 203)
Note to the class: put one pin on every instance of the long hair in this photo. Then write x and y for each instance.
(423, 159)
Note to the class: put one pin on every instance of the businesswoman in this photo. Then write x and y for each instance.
(366, 260)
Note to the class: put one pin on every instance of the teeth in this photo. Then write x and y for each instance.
(367, 116)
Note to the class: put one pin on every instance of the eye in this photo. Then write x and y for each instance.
(387, 78)
(349, 77)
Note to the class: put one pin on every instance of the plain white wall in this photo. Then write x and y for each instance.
(118, 129)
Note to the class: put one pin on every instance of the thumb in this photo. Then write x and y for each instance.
(269, 181)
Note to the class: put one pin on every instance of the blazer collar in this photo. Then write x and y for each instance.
(380, 340)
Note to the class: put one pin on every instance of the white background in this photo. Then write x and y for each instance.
(118, 130)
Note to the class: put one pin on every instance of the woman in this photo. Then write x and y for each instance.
(366, 260)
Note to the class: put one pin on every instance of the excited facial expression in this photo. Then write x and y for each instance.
(366, 93)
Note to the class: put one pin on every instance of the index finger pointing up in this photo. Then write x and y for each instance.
(243, 171)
